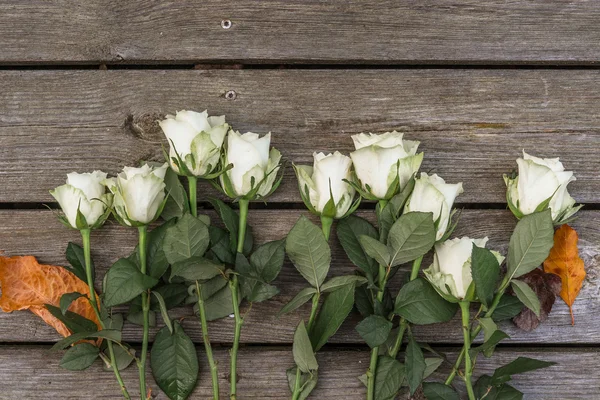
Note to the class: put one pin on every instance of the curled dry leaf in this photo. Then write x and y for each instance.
(546, 286)
(28, 285)
(565, 262)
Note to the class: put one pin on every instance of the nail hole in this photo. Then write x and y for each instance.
(226, 24)
(230, 95)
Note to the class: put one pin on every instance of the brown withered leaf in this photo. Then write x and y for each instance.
(546, 286)
(28, 285)
(565, 262)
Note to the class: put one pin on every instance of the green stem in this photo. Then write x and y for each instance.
(477, 329)
(145, 310)
(326, 223)
(464, 308)
(311, 321)
(414, 273)
(192, 181)
(85, 235)
(234, 287)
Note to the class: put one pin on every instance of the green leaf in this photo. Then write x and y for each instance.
(253, 287)
(163, 311)
(267, 259)
(335, 309)
(309, 251)
(393, 209)
(219, 245)
(526, 295)
(439, 391)
(156, 259)
(135, 316)
(68, 298)
(518, 366)
(177, 204)
(307, 382)
(348, 231)
(122, 358)
(411, 236)
(73, 321)
(75, 257)
(188, 238)
(485, 270)
(530, 243)
(304, 356)
(109, 334)
(375, 249)
(490, 344)
(195, 269)
(80, 357)
(114, 321)
(364, 301)
(174, 362)
(218, 305)
(374, 330)
(421, 304)
(484, 387)
(173, 294)
(339, 281)
(389, 376)
(302, 297)
(431, 365)
(415, 365)
(231, 221)
(124, 282)
(508, 307)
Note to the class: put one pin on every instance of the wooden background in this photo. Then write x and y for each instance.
(83, 83)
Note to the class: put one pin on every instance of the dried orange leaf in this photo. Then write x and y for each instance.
(565, 262)
(28, 285)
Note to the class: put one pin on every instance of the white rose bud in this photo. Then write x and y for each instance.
(432, 194)
(196, 140)
(84, 194)
(541, 183)
(384, 163)
(139, 194)
(324, 180)
(254, 166)
(450, 272)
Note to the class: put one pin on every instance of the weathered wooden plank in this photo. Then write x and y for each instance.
(473, 124)
(38, 233)
(32, 372)
(492, 31)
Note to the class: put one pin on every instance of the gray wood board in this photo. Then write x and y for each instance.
(473, 124)
(274, 31)
(38, 233)
(32, 372)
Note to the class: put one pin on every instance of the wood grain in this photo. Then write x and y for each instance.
(32, 372)
(38, 233)
(473, 124)
(298, 31)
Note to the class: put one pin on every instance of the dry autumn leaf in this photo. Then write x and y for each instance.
(28, 285)
(565, 262)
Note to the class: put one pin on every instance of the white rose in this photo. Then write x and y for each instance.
(254, 166)
(196, 140)
(432, 194)
(450, 272)
(139, 194)
(384, 163)
(86, 193)
(324, 180)
(541, 183)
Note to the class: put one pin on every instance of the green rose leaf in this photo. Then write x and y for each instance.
(485, 387)
(304, 356)
(485, 270)
(68, 298)
(80, 357)
(490, 344)
(415, 365)
(389, 376)
(177, 202)
(124, 282)
(348, 231)
(530, 243)
(122, 358)
(374, 330)
(109, 334)
(307, 382)
(75, 257)
(309, 251)
(411, 236)
(188, 238)
(174, 362)
(508, 307)
(339, 281)
(267, 259)
(526, 295)
(73, 321)
(302, 297)
(196, 268)
(439, 391)
(518, 366)
(335, 309)
(421, 304)
(375, 249)
(218, 305)
(393, 209)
